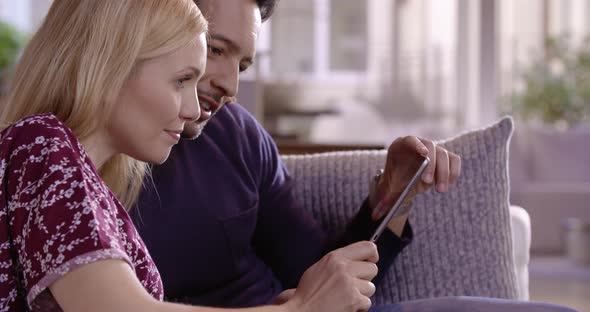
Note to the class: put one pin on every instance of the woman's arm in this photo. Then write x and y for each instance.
(111, 285)
(338, 282)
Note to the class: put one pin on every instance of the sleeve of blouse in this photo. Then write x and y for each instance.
(62, 215)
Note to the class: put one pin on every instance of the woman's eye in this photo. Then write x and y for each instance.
(180, 82)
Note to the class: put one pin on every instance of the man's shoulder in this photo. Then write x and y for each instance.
(235, 120)
(231, 131)
(239, 116)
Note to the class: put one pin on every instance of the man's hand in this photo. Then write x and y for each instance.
(443, 170)
(340, 281)
(285, 296)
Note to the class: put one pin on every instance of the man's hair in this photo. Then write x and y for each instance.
(267, 7)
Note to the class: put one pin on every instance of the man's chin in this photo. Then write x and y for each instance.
(193, 130)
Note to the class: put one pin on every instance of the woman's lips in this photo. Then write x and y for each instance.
(175, 135)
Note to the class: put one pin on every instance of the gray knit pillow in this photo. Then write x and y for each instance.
(462, 243)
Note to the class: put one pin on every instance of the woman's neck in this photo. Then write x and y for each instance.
(98, 148)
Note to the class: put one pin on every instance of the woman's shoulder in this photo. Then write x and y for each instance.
(40, 138)
(40, 124)
(36, 129)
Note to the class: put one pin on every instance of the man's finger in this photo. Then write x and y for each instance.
(359, 251)
(365, 287)
(362, 269)
(285, 296)
(455, 167)
(364, 304)
(417, 145)
(442, 169)
(428, 175)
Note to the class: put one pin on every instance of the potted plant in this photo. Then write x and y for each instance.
(556, 86)
(11, 43)
(552, 112)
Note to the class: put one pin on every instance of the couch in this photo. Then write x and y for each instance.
(468, 242)
(550, 177)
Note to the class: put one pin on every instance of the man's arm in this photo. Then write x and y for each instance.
(298, 239)
(389, 244)
(443, 170)
(287, 236)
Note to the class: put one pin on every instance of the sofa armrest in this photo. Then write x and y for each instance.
(521, 243)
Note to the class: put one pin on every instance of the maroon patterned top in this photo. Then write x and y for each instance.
(57, 214)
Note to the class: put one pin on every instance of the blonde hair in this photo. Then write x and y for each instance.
(79, 59)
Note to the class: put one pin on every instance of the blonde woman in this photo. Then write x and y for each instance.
(103, 88)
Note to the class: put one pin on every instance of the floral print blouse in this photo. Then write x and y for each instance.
(57, 214)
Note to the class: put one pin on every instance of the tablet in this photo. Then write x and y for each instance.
(412, 179)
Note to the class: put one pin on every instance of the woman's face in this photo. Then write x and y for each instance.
(155, 103)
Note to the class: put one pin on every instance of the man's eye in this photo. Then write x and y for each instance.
(215, 51)
(245, 66)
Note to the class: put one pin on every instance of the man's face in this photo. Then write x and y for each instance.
(233, 30)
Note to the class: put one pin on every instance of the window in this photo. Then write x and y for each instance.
(25, 15)
(348, 35)
(320, 38)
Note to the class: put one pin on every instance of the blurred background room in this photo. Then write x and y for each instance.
(355, 74)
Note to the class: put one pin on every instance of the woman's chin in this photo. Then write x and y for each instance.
(154, 158)
(160, 160)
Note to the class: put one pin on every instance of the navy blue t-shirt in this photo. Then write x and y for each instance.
(222, 224)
